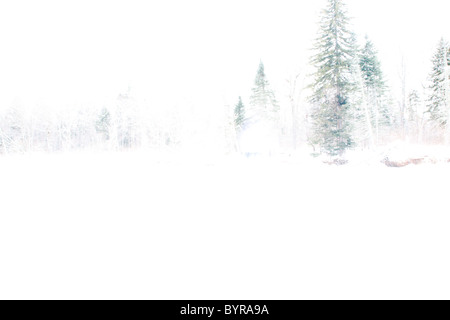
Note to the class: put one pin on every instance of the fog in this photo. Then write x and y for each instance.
(129, 169)
(88, 52)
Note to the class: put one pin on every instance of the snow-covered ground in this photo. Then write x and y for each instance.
(140, 225)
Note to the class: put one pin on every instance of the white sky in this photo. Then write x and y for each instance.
(71, 52)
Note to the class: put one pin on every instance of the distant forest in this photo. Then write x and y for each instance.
(345, 104)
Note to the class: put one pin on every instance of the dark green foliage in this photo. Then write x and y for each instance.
(333, 84)
(437, 105)
(370, 67)
(374, 85)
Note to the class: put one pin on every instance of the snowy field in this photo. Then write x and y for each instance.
(138, 226)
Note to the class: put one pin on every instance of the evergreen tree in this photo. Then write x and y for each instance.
(370, 66)
(334, 81)
(263, 105)
(438, 101)
(374, 88)
(363, 126)
(239, 115)
(103, 124)
(414, 115)
(413, 106)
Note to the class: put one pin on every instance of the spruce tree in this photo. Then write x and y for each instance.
(438, 100)
(263, 105)
(374, 88)
(334, 81)
(370, 66)
(239, 115)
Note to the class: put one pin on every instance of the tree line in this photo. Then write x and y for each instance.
(350, 104)
(344, 104)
